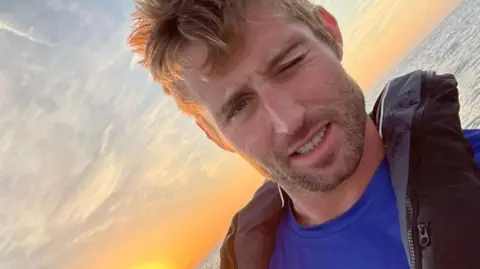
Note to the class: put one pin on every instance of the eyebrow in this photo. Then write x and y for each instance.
(291, 44)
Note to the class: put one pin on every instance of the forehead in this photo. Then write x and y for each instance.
(264, 34)
(262, 39)
(257, 32)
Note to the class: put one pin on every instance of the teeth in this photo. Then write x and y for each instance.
(312, 144)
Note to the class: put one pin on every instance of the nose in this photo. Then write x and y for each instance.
(285, 112)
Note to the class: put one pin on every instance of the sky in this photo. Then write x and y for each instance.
(99, 170)
(379, 34)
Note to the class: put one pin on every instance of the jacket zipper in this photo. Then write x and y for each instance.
(410, 212)
(423, 234)
(411, 217)
(411, 246)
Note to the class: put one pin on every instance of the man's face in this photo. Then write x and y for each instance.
(286, 103)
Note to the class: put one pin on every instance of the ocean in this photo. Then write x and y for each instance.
(453, 47)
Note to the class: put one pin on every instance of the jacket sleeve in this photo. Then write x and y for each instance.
(227, 252)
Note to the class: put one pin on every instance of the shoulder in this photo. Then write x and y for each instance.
(252, 228)
(473, 136)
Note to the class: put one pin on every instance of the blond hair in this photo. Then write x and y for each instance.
(162, 28)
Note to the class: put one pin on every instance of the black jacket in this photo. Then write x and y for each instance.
(435, 179)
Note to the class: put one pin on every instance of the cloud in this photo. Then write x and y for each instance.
(28, 34)
(89, 144)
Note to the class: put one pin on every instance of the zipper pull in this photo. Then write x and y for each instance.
(423, 234)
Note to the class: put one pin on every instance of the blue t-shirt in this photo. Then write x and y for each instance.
(366, 236)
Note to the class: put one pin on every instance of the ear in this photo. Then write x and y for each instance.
(212, 134)
(331, 25)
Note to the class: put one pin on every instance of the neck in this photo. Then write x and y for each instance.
(316, 208)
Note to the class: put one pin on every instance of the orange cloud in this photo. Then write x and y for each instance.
(183, 241)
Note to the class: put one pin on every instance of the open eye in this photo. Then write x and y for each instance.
(238, 107)
(291, 64)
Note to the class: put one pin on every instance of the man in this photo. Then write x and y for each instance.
(396, 188)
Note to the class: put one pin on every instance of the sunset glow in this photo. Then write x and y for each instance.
(385, 33)
(100, 169)
(182, 191)
(154, 265)
(380, 41)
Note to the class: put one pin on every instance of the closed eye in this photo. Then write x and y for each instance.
(291, 64)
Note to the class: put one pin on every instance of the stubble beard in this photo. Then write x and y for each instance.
(350, 113)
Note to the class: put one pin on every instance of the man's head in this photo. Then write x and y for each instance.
(263, 78)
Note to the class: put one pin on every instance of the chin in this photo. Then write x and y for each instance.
(340, 168)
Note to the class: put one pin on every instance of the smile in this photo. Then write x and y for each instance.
(315, 147)
(313, 143)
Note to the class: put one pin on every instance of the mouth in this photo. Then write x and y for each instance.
(312, 148)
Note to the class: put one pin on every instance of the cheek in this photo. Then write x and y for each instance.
(252, 140)
(318, 81)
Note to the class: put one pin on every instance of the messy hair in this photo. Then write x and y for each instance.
(162, 28)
